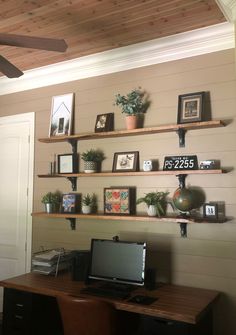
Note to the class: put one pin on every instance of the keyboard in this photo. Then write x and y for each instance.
(102, 292)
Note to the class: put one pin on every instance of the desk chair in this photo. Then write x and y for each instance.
(87, 316)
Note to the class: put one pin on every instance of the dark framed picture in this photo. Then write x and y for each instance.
(67, 163)
(210, 211)
(125, 161)
(104, 122)
(119, 200)
(61, 115)
(191, 107)
(70, 203)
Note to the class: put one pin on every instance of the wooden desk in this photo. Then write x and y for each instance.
(178, 303)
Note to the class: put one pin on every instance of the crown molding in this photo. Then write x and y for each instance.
(193, 43)
(228, 8)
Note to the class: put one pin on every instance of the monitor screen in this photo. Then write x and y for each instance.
(118, 261)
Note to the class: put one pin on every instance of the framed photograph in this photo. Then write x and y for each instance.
(104, 122)
(119, 200)
(210, 211)
(61, 115)
(67, 163)
(125, 161)
(70, 203)
(191, 107)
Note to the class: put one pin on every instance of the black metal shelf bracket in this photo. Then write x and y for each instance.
(181, 133)
(73, 181)
(181, 178)
(73, 144)
(72, 223)
(183, 229)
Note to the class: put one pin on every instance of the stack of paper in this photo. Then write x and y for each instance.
(51, 261)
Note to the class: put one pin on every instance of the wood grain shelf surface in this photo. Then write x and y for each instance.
(135, 132)
(127, 174)
(142, 217)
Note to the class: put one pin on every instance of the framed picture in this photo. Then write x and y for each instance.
(70, 203)
(104, 122)
(191, 107)
(210, 211)
(67, 163)
(125, 161)
(61, 115)
(119, 200)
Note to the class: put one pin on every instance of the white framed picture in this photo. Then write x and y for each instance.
(61, 115)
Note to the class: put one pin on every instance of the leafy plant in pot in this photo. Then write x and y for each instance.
(133, 105)
(156, 203)
(89, 203)
(92, 159)
(52, 201)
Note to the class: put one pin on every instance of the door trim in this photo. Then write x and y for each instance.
(28, 118)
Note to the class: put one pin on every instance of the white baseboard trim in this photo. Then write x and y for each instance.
(193, 43)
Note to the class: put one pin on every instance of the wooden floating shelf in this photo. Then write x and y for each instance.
(135, 132)
(124, 217)
(139, 173)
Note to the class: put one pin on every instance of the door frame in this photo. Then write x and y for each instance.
(28, 118)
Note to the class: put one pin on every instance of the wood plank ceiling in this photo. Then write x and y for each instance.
(91, 26)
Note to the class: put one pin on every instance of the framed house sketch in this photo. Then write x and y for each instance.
(61, 115)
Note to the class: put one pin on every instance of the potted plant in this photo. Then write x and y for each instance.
(52, 201)
(155, 202)
(133, 105)
(92, 158)
(89, 203)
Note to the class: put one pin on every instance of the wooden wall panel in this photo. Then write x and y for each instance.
(207, 257)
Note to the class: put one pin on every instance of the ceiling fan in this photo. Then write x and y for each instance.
(49, 44)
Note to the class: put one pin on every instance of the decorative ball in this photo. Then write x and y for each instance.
(183, 199)
(147, 165)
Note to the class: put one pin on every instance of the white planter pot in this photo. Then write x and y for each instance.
(86, 209)
(90, 167)
(151, 210)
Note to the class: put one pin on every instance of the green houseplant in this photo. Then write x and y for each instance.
(92, 158)
(52, 201)
(89, 203)
(133, 104)
(155, 201)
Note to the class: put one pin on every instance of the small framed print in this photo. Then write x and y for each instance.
(67, 163)
(119, 200)
(104, 122)
(125, 161)
(191, 107)
(210, 211)
(70, 203)
(61, 115)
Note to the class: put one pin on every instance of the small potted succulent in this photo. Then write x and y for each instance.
(52, 201)
(89, 203)
(133, 105)
(156, 203)
(92, 159)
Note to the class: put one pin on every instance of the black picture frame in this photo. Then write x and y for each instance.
(125, 161)
(191, 107)
(70, 203)
(67, 163)
(104, 122)
(210, 211)
(119, 200)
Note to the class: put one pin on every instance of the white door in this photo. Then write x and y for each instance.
(16, 176)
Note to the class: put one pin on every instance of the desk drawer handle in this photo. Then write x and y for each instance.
(18, 317)
(19, 305)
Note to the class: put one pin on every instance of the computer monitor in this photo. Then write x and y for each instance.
(118, 261)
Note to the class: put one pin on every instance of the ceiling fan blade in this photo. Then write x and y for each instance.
(10, 70)
(50, 44)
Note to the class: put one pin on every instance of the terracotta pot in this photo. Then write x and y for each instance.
(131, 122)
